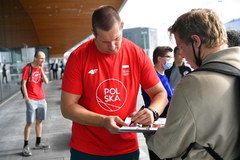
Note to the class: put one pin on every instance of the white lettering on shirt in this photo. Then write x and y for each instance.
(111, 98)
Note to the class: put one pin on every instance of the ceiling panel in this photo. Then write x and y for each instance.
(60, 24)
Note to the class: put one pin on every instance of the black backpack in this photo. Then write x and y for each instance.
(29, 76)
(219, 67)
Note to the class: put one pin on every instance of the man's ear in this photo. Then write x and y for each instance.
(159, 58)
(94, 33)
(196, 40)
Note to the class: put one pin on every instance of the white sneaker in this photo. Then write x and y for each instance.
(26, 151)
(41, 146)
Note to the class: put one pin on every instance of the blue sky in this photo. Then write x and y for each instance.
(161, 14)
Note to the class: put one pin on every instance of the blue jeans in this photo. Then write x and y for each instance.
(77, 155)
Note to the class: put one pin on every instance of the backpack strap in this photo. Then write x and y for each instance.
(29, 77)
(213, 153)
(187, 151)
(29, 72)
(208, 149)
(220, 67)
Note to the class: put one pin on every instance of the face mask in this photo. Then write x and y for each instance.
(168, 64)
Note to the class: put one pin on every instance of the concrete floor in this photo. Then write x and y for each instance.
(56, 130)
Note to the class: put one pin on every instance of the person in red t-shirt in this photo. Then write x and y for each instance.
(100, 87)
(32, 78)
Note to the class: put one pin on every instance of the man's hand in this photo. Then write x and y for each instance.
(26, 99)
(113, 123)
(44, 76)
(41, 67)
(144, 117)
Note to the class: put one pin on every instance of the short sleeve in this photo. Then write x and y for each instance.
(25, 72)
(72, 79)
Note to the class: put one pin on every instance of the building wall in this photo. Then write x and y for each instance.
(233, 25)
(143, 37)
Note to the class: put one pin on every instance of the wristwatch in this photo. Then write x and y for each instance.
(155, 114)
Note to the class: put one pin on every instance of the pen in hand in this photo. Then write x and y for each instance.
(138, 111)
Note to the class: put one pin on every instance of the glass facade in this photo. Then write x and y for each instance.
(143, 37)
(233, 25)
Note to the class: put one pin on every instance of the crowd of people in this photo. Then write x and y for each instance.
(101, 82)
(54, 67)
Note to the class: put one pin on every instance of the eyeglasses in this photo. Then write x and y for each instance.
(167, 56)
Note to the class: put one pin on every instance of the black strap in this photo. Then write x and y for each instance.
(213, 153)
(220, 67)
(208, 149)
(187, 151)
(29, 77)
(29, 72)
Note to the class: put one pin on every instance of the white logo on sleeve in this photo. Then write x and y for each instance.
(111, 95)
(93, 71)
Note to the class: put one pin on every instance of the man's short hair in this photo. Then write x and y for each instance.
(233, 38)
(104, 18)
(36, 53)
(160, 51)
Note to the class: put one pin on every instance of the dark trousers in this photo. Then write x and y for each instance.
(77, 155)
(55, 76)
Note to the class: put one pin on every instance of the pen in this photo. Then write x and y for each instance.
(138, 111)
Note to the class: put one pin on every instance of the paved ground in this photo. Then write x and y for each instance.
(56, 130)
